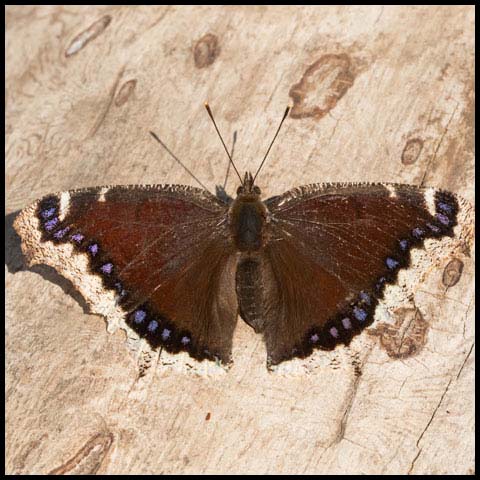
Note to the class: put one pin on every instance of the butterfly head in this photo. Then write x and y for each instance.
(248, 189)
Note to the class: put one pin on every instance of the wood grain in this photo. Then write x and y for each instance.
(379, 94)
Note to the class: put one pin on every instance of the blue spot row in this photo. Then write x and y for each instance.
(360, 314)
(140, 317)
(51, 222)
(446, 209)
(418, 233)
(48, 216)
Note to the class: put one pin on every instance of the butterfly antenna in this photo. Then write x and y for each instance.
(268, 151)
(179, 161)
(223, 143)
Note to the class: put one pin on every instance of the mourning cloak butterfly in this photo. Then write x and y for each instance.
(176, 264)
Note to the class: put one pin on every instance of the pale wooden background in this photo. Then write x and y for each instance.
(78, 115)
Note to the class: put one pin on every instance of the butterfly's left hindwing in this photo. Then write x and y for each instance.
(162, 253)
(333, 248)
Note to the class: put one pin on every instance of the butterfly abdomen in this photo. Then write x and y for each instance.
(249, 286)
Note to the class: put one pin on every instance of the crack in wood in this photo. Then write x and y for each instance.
(429, 423)
(465, 361)
(434, 156)
(103, 114)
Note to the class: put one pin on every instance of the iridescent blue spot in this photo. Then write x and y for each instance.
(48, 212)
(380, 283)
(77, 237)
(314, 338)
(121, 291)
(51, 224)
(403, 244)
(166, 334)
(107, 268)
(359, 314)
(445, 207)
(152, 326)
(392, 264)
(139, 316)
(442, 218)
(433, 228)
(417, 232)
(334, 332)
(93, 249)
(185, 340)
(347, 324)
(61, 233)
(365, 297)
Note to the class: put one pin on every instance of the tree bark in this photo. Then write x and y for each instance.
(378, 94)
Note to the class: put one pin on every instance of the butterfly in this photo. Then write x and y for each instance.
(177, 264)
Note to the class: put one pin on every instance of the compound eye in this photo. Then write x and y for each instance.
(256, 190)
(239, 190)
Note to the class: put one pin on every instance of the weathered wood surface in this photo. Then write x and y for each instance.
(380, 93)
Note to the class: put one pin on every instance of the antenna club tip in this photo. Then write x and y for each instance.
(207, 106)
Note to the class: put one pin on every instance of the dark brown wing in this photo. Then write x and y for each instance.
(332, 250)
(163, 253)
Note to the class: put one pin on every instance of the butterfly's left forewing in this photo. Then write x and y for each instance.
(159, 257)
(333, 248)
